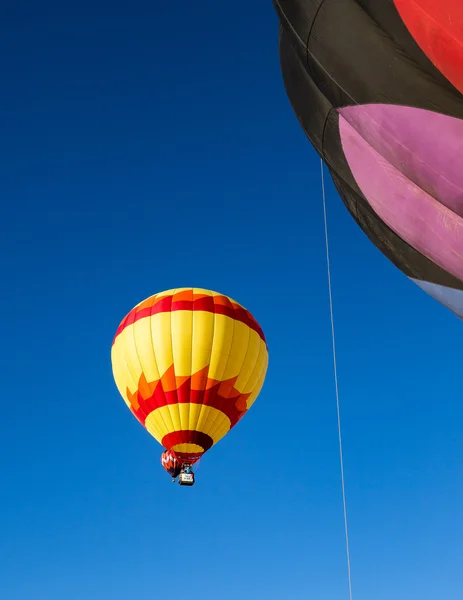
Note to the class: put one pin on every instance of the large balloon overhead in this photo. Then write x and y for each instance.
(189, 363)
(377, 87)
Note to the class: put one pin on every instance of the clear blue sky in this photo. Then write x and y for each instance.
(146, 148)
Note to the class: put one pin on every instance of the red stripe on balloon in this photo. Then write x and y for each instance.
(212, 304)
(220, 396)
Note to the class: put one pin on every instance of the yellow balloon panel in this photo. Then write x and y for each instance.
(203, 335)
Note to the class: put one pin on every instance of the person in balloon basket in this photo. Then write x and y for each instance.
(183, 469)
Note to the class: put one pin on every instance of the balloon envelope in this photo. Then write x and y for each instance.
(377, 87)
(189, 363)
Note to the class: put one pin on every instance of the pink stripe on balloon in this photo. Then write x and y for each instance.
(427, 147)
(383, 154)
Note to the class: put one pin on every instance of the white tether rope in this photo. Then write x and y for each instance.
(333, 340)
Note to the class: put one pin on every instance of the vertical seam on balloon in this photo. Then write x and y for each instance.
(253, 367)
(323, 155)
(260, 381)
(309, 34)
(156, 410)
(139, 362)
(262, 347)
(263, 370)
(129, 373)
(214, 419)
(176, 404)
(156, 362)
(214, 424)
(324, 131)
(245, 354)
(329, 163)
(198, 417)
(191, 354)
(329, 76)
(125, 363)
(211, 426)
(159, 384)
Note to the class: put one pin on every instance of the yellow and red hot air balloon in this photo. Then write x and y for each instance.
(189, 363)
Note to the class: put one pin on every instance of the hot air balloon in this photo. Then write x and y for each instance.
(171, 463)
(189, 364)
(377, 88)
